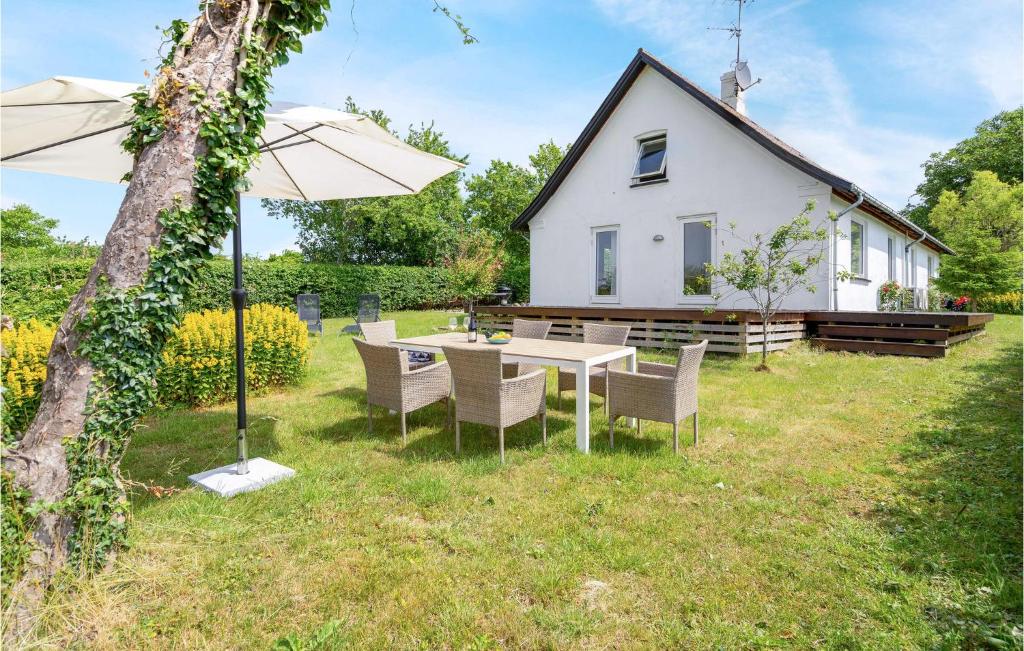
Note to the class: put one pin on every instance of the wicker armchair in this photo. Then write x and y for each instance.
(382, 333)
(659, 392)
(526, 329)
(483, 396)
(390, 383)
(595, 333)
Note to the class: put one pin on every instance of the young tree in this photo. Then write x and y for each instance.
(771, 268)
(995, 146)
(984, 229)
(413, 230)
(194, 138)
(21, 227)
(474, 267)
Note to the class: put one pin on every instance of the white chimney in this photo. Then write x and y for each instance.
(732, 94)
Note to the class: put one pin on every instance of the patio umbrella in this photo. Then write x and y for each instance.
(73, 126)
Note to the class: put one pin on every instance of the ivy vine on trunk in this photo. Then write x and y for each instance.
(194, 139)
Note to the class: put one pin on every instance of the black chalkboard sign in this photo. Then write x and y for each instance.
(309, 311)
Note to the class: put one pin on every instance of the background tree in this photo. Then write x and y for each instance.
(415, 230)
(988, 203)
(995, 147)
(22, 227)
(771, 268)
(984, 228)
(499, 195)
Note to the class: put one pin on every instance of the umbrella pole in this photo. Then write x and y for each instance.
(238, 296)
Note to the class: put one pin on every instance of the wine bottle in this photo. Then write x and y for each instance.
(471, 327)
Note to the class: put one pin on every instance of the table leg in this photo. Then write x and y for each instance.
(631, 368)
(582, 408)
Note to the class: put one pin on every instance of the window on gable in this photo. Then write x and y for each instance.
(650, 159)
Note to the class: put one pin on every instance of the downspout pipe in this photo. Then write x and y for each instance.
(906, 257)
(835, 245)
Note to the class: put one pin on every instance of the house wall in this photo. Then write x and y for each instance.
(712, 168)
(862, 293)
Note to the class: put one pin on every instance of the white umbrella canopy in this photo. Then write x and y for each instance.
(73, 126)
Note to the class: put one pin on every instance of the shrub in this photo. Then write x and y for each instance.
(23, 368)
(42, 288)
(894, 298)
(475, 267)
(1009, 303)
(199, 361)
(516, 275)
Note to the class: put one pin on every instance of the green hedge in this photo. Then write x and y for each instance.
(43, 288)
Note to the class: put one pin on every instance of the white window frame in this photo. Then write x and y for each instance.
(644, 139)
(679, 251)
(592, 270)
(932, 267)
(863, 273)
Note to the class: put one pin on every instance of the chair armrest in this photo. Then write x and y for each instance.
(529, 381)
(438, 367)
(654, 368)
(637, 381)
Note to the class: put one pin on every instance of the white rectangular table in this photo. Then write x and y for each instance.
(545, 352)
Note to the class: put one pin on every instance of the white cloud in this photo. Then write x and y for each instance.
(950, 47)
(442, 87)
(806, 98)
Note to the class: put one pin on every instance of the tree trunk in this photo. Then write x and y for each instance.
(163, 171)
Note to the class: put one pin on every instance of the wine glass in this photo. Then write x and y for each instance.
(453, 323)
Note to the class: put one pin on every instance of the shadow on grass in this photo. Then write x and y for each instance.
(957, 522)
(175, 444)
(479, 440)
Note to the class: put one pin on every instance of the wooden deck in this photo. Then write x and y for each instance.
(920, 334)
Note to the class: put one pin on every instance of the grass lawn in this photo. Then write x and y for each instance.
(842, 501)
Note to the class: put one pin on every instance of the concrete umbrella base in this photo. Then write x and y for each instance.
(224, 482)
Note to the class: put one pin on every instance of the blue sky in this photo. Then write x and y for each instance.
(868, 89)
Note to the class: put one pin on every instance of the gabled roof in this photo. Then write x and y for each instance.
(841, 187)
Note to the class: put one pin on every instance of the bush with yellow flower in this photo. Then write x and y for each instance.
(23, 371)
(198, 361)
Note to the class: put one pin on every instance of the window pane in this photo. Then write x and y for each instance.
(892, 260)
(651, 156)
(606, 264)
(696, 254)
(856, 248)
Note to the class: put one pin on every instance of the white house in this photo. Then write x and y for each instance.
(624, 219)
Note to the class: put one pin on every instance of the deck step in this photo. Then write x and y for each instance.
(881, 347)
(883, 332)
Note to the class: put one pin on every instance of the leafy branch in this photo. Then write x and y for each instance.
(467, 38)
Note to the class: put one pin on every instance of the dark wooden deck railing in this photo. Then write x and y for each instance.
(924, 334)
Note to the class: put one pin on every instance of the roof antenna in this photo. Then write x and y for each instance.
(739, 65)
